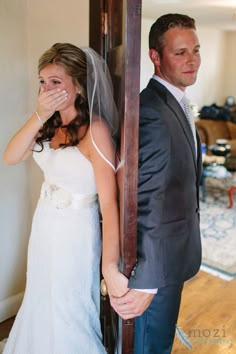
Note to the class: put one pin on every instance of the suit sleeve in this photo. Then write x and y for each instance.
(154, 150)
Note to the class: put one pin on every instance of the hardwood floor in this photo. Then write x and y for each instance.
(207, 316)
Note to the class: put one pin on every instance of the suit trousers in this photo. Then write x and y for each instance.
(155, 328)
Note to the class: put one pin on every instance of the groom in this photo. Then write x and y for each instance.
(169, 246)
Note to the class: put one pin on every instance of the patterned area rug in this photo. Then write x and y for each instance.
(218, 228)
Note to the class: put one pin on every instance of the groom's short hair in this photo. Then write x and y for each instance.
(163, 24)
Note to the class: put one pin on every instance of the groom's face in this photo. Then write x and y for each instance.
(181, 59)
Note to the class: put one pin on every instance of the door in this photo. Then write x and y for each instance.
(115, 33)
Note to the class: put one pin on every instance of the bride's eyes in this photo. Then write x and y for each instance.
(51, 83)
(56, 82)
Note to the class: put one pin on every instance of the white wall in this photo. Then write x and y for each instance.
(147, 68)
(209, 85)
(229, 70)
(14, 205)
(27, 29)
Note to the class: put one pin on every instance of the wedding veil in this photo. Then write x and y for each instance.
(100, 99)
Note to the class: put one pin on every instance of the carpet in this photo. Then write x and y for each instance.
(218, 228)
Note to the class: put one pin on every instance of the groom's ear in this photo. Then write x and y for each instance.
(154, 56)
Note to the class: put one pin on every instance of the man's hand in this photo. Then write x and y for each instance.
(132, 304)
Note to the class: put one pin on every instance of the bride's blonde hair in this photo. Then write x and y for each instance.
(73, 60)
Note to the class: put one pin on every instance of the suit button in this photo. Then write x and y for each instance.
(134, 269)
(133, 273)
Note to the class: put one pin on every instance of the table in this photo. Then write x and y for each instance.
(217, 171)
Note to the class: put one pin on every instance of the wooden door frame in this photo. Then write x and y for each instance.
(98, 30)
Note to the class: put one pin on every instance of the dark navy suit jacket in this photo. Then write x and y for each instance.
(168, 238)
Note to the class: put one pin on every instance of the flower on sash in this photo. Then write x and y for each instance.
(57, 196)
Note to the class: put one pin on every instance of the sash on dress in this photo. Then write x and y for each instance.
(60, 198)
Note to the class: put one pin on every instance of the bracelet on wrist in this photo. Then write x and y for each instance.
(39, 118)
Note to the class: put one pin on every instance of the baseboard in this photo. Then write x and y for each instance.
(10, 306)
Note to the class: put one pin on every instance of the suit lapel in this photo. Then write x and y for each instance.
(177, 110)
(180, 115)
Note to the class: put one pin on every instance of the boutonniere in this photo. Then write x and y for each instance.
(194, 109)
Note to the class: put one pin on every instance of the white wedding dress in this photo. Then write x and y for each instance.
(60, 310)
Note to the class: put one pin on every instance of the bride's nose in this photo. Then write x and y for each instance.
(48, 86)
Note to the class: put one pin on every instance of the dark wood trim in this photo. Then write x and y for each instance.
(131, 128)
(115, 33)
(95, 25)
(5, 327)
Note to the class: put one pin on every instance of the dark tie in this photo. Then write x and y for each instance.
(190, 119)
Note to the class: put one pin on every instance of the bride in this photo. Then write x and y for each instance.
(72, 136)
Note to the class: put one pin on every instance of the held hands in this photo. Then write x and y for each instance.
(128, 303)
(49, 102)
(116, 282)
(132, 304)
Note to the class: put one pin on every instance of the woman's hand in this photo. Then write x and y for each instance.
(49, 102)
(116, 282)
